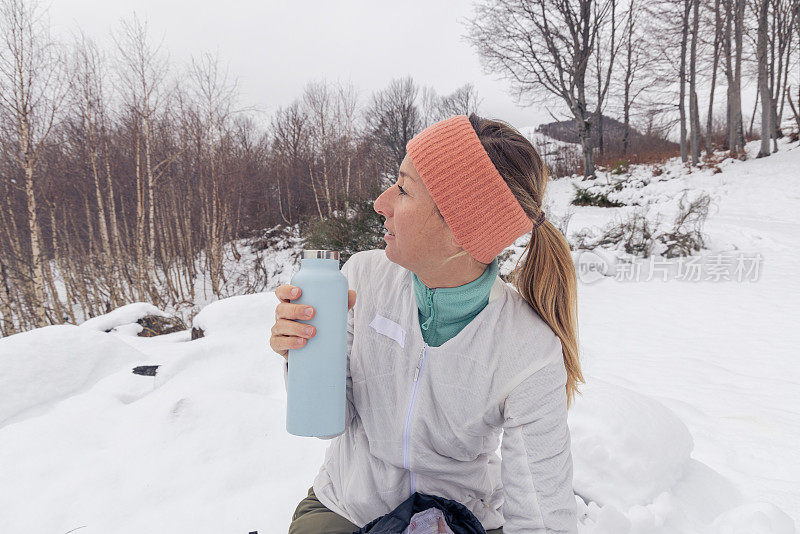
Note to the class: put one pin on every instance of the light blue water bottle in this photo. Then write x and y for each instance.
(316, 395)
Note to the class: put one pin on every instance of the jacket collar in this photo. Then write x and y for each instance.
(449, 305)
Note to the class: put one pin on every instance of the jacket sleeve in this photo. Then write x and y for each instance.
(536, 467)
(349, 406)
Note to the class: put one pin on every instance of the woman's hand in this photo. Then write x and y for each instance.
(287, 333)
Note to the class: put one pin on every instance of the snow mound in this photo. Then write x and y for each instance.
(46, 365)
(251, 314)
(124, 315)
(627, 448)
(754, 518)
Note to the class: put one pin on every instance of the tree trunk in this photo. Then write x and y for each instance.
(682, 78)
(37, 272)
(763, 87)
(710, 119)
(694, 112)
(140, 224)
(737, 131)
(151, 205)
(7, 327)
(584, 129)
(316, 197)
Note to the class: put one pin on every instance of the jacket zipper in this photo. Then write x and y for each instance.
(412, 401)
(410, 412)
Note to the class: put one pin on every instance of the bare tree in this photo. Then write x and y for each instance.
(544, 47)
(634, 46)
(289, 129)
(463, 101)
(718, 28)
(31, 92)
(694, 111)
(429, 110)
(732, 46)
(434, 107)
(785, 13)
(318, 99)
(393, 116)
(87, 89)
(142, 70)
(346, 117)
(763, 82)
(215, 97)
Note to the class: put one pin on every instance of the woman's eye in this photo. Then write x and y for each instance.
(402, 191)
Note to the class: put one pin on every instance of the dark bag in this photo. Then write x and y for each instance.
(458, 517)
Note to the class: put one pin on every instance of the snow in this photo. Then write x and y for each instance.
(47, 365)
(628, 448)
(688, 422)
(228, 315)
(124, 315)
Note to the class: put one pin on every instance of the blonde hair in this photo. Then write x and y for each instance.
(546, 279)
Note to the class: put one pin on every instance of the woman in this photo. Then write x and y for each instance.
(443, 356)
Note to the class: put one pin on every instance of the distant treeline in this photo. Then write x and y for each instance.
(123, 177)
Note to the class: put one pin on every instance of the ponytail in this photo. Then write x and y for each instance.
(546, 279)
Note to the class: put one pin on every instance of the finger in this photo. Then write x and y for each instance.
(441, 526)
(287, 310)
(351, 298)
(274, 344)
(286, 292)
(280, 344)
(285, 327)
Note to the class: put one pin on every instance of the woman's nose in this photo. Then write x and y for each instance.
(381, 205)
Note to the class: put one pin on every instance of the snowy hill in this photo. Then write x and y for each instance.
(688, 422)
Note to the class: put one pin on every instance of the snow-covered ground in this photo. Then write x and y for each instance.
(688, 423)
(556, 154)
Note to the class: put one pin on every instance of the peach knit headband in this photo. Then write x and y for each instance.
(473, 198)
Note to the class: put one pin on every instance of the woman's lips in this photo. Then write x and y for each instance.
(387, 235)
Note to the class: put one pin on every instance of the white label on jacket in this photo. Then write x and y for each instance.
(387, 327)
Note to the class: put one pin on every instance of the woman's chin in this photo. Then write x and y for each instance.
(391, 253)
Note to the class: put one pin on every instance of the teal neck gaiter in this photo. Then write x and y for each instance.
(445, 311)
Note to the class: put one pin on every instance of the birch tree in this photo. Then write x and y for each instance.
(87, 89)
(215, 96)
(31, 93)
(319, 101)
(142, 70)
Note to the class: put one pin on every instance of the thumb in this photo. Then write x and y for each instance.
(351, 298)
(442, 527)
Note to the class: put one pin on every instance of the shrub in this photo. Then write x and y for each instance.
(638, 235)
(585, 197)
(279, 237)
(362, 230)
(621, 167)
(686, 234)
(635, 234)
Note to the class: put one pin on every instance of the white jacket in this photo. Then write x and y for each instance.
(429, 419)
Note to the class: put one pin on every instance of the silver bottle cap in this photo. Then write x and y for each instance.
(321, 254)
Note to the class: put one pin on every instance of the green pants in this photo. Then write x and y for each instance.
(313, 517)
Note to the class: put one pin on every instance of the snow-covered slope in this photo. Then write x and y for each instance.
(688, 423)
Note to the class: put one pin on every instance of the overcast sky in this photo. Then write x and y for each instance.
(273, 50)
